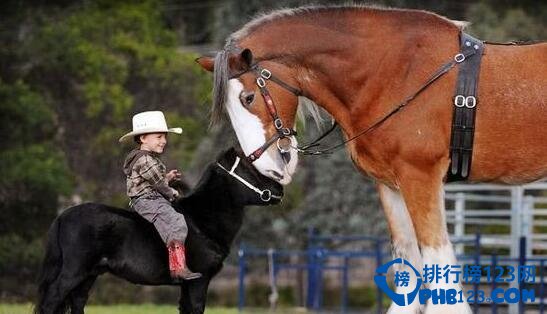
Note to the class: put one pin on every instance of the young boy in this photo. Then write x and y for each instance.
(148, 189)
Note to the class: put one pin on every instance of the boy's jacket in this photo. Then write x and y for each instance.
(146, 174)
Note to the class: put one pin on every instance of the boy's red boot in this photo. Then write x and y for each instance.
(177, 262)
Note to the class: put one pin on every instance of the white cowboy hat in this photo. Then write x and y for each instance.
(149, 122)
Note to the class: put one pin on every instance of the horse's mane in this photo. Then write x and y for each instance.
(306, 107)
(275, 15)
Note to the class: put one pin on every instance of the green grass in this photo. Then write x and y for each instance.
(116, 309)
(7, 308)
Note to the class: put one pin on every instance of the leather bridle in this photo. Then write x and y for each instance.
(282, 133)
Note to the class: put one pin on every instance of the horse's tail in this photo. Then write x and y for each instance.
(51, 266)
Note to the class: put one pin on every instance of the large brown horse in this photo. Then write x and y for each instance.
(358, 63)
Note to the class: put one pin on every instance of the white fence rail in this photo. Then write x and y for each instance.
(501, 213)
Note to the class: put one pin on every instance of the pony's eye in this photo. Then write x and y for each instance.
(247, 98)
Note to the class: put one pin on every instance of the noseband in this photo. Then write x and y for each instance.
(262, 76)
(265, 195)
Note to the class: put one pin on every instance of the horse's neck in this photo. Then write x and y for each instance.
(217, 215)
(363, 61)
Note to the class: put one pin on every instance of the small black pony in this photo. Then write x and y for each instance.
(90, 239)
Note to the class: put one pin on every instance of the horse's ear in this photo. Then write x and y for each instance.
(208, 63)
(247, 56)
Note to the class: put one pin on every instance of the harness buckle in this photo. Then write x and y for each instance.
(278, 124)
(470, 102)
(460, 57)
(459, 101)
(260, 82)
(286, 131)
(266, 195)
(265, 73)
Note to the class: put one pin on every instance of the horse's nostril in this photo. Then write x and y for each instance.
(286, 157)
(277, 175)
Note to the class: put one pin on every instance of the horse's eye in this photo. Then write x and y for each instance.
(247, 98)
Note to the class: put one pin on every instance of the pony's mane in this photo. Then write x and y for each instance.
(306, 107)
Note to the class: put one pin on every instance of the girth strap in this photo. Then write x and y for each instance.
(465, 104)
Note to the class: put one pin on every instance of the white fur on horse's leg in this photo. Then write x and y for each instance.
(442, 256)
(404, 243)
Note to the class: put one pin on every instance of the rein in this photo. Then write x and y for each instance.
(458, 58)
(265, 195)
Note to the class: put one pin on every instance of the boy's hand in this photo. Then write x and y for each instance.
(176, 195)
(173, 174)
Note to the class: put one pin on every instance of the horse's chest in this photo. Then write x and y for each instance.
(371, 166)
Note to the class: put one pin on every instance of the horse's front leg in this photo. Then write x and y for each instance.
(193, 296)
(424, 197)
(404, 244)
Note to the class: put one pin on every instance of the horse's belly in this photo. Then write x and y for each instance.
(511, 119)
(510, 153)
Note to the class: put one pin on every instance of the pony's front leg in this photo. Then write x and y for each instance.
(193, 296)
(424, 197)
(404, 244)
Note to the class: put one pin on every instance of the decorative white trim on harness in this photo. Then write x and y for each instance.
(265, 195)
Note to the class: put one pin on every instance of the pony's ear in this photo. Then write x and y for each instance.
(247, 56)
(207, 63)
(228, 156)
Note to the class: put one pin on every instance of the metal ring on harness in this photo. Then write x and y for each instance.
(460, 57)
(278, 124)
(260, 82)
(470, 102)
(266, 195)
(286, 131)
(266, 74)
(459, 101)
(284, 148)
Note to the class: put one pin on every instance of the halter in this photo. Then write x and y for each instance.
(263, 75)
(265, 195)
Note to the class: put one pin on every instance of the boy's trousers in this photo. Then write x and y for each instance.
(156, 209)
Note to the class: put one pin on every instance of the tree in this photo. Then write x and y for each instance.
(101, 63)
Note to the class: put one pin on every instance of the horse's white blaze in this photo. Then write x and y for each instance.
(442, 256)
(250, 133)
(405, 244)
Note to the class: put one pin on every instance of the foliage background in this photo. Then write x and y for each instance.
(72, 73)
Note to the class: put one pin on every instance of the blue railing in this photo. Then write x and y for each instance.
(314, 263)
(317, 253)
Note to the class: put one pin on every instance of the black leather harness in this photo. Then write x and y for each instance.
(465, 105)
